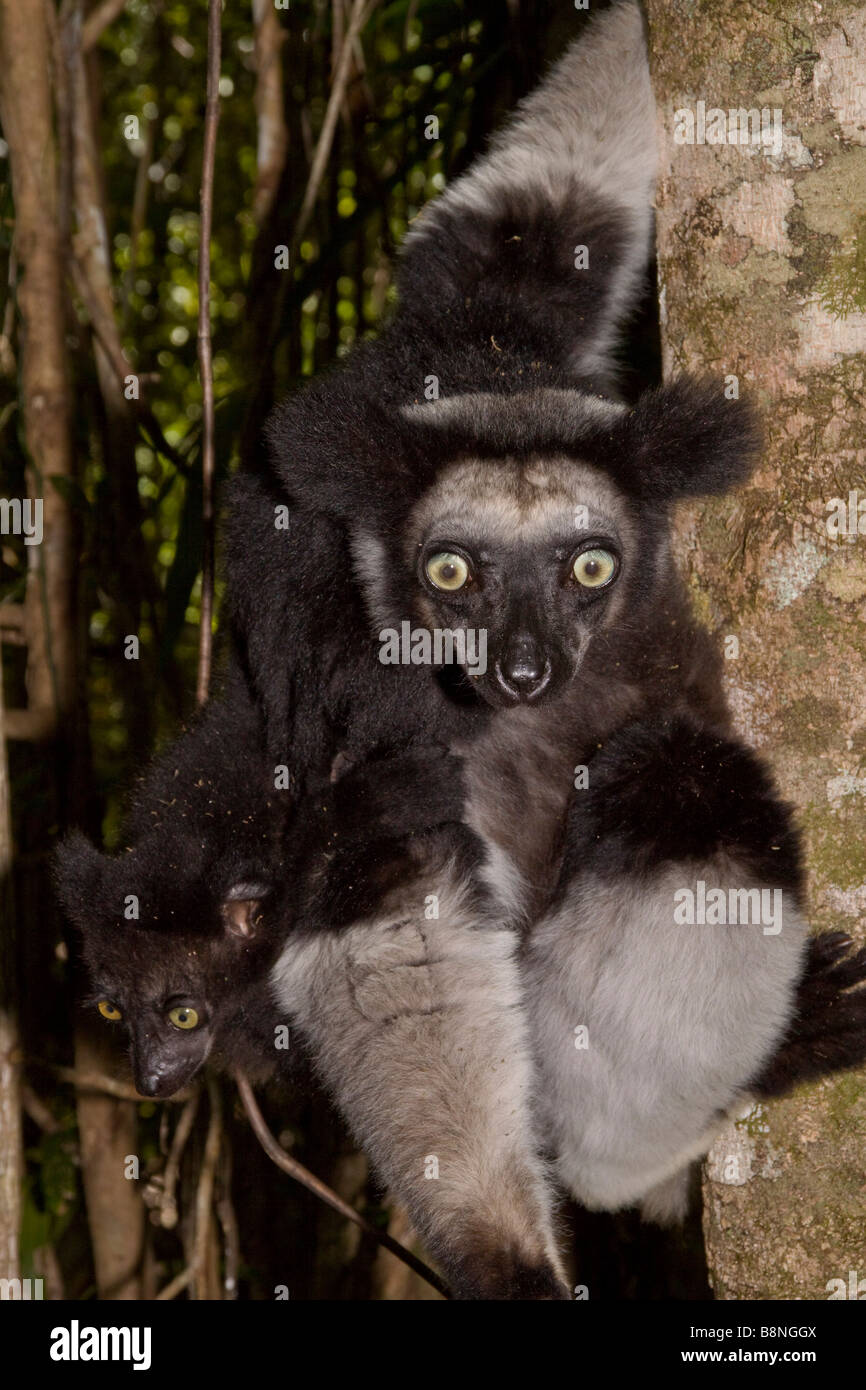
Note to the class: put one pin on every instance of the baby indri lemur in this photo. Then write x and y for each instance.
(474, 471)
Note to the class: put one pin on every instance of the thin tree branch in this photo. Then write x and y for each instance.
(176, 1285)
(39, 1112)
(103, 328)
(361, 11)
(315, 1185)
(229, 1223)
(204, 1194)
(98, 21)
(205, 356)
(183, 1129)
(272, 135)
(93, 1081)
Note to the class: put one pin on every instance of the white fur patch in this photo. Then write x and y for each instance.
(678, 1020)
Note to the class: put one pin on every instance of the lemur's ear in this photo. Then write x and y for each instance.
(341, 453)
(241, 908)
(79, 874)
(687, 439)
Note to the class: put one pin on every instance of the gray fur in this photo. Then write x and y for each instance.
(416, 1026)
(426, 1030)
(662, 1069)
(507, 502)
(547, 407)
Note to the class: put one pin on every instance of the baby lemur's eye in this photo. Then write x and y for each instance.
(109, 1011)
(183, 1017)
(447, 571)
(594, 568)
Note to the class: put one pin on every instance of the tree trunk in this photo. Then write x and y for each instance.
(762, 251)
(26, 112)
(11, 1149)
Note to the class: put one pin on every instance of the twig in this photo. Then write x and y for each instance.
(204, 1193)
(229, 1222)
(273, 136)
(103, 330)
(183, 1129)
(315, 1185)
(34, 1106)
(138, 215)
(205, 357)
(361, 11)
(98, 21)
(176, 1285)
(89, 1081)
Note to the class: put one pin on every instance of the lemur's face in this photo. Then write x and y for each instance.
(166, 1012)
(531, 558)
(172, 995)
(169, 980)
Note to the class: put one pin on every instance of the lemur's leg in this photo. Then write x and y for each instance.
(679, 832)
(412, 1013)
(826, 1033)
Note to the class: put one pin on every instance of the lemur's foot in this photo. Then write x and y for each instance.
(828, 1030)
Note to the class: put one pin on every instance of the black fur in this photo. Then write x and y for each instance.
(667, 790)
(205, 821)
(827, 1033)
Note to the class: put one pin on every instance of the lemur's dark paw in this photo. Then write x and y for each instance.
(828, 1031)
(831, 961)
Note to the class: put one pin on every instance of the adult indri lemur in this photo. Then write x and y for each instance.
(529, 502)
(441, 1003)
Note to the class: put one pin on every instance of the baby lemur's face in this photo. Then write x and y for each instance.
(537, 556)
(172, 994)
(175, 946)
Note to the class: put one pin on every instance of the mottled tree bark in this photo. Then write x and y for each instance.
(762, 250)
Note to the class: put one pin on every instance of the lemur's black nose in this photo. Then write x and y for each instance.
(523, 669)
(524, 672)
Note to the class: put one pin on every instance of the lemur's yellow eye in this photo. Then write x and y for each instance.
(183, 1017)
(109, 1011)
(447, 571)
(593, 568)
